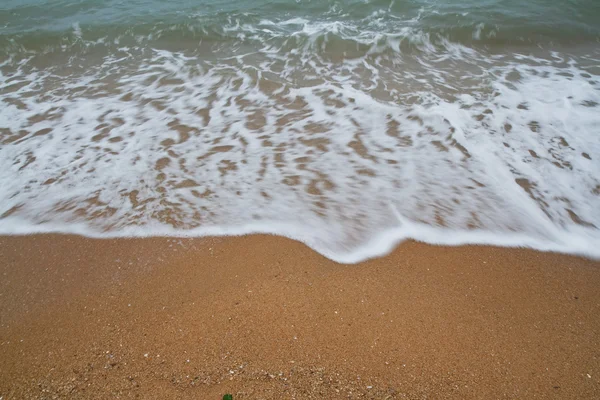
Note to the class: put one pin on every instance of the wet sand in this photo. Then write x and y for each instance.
(264, 317)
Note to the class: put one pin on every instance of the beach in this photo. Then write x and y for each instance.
(279, 199)
(265, 317)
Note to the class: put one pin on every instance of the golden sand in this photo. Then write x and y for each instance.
(264, 317)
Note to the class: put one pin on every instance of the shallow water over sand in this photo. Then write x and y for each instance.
(349, 129)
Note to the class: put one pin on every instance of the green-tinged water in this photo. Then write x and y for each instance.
(36, 23)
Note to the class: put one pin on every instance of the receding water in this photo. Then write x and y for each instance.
(349, 125)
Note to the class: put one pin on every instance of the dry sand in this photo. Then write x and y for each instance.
(264, 317)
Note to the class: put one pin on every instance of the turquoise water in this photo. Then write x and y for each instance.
(479, 22)
(348, 125)
(555, 18)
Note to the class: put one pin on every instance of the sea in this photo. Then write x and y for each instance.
(349, 125)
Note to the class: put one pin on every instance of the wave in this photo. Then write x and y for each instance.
(376, 33)
(349, 131)
(349, 157)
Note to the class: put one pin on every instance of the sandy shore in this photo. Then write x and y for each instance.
(266, 317)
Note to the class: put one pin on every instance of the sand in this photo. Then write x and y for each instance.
(265, 317)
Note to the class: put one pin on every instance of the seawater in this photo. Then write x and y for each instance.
(348, 125)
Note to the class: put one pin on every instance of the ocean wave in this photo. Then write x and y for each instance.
(349, 131)
(376, 33)
(335, 154)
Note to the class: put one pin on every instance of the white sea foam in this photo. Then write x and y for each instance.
(349, 153)
(77, 30)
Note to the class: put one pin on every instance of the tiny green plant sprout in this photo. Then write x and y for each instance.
(227, 397)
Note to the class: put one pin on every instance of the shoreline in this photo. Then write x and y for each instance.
(379, 246)
(262, 316)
